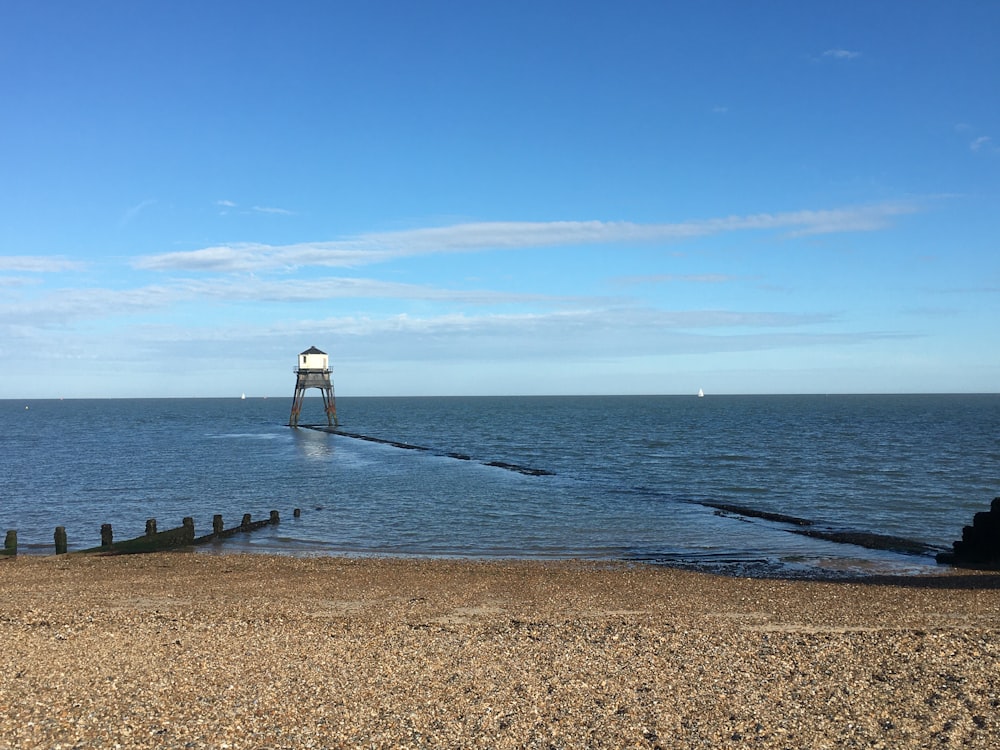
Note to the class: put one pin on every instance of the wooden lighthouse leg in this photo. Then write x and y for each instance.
(293, 419)
(330, 405)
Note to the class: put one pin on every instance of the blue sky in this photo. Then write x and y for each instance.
(499, 198)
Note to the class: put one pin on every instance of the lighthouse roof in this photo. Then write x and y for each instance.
(313, 350)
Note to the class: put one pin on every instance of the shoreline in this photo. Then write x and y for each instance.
(833, 569)
(249, 650)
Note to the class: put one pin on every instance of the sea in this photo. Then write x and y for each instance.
(721, 483)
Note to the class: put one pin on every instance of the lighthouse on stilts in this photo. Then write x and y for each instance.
(313, 371)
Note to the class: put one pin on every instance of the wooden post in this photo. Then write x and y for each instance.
(274, 517)
(60, 539)
(246, 521)
(10, 543)
(188, 524)
(107, 535)
(217, 527)
(150, 527)
(297, 512)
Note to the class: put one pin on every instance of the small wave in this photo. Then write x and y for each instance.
(244, 436)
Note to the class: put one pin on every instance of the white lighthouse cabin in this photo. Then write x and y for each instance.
(314, 359)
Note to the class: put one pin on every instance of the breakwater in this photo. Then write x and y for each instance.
(979, 546)
(153, 540)
(817, 530)
(529, 471)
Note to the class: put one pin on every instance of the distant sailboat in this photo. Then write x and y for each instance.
(701, 393)
(243, 397)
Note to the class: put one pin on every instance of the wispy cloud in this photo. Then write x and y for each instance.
(564, 334)
(378, 247)
(71, 306)
(984, 144)
(297, 290)
(134, 211)
(671, 278)
(560, 338)
(14, 281)
(38, 263)
(226, 206)
(841, 54)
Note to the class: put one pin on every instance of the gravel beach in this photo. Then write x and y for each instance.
(183, 650)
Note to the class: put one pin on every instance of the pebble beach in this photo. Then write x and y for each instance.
(185, 650)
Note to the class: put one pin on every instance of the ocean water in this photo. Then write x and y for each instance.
(631, 477)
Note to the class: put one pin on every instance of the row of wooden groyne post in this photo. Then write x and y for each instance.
(153, 540)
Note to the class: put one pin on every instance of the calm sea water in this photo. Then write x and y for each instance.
(629, 478)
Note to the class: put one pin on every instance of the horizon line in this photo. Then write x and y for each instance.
(685, 394)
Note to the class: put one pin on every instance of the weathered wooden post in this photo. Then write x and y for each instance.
(188, 524)
(217, 527)
(274, 517)
(10, 542)
(150, 527)
(60, 539)
(107, 535)
(246, 522)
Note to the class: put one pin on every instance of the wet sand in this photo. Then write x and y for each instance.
(181, 650)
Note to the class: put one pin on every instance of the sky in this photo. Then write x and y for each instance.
(499, 198)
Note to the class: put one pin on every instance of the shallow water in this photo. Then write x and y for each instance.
(629, 474)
